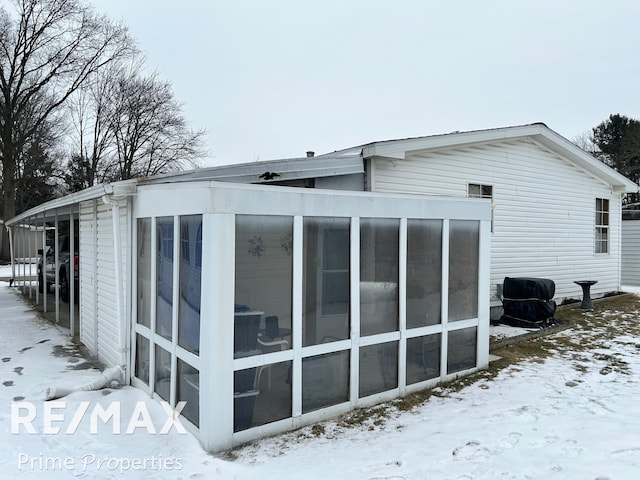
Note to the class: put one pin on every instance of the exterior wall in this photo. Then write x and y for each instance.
(543, 209)
(99, 327)
(631, 253)
(353, 182)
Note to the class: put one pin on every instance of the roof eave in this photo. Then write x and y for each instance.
(400, 149)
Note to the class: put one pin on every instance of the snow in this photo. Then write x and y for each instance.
(569, 417)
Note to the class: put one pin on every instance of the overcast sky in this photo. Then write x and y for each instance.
(273, 79)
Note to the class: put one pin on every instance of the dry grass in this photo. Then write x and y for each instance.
(589, 331)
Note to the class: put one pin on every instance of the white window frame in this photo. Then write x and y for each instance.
(482, 187)
(602, 226)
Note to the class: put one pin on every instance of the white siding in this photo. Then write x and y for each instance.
(631, 252)
(87, 252)
(98, 303)
(544, 209)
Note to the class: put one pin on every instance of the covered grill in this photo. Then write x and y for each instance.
(528, 302)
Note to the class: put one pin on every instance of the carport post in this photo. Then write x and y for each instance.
(56, 271)
(12, 253)
(30, 253)
(21, 243)
(43, 278)
(72, 272)
(35, 251)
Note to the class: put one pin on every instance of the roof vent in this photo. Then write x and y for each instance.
(310, 154)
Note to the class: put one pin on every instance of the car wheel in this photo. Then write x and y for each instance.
(64, 287)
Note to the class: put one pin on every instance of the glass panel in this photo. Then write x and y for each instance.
(325, 316)
(464, 254)
(199, 247)
(424, 272)
(379, 244)
(378, 368)
(163, 373)
(144, 272)
(164, 273)
(423, 358)
(184, 240)
(461, 350)
(190, 281)
(264, 270)
(261, 395)
(474, 190)
(602, 240)
(487, 191)
(142, 358)
(325, 380)
(189, 391)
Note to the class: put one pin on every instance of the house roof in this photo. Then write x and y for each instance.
(350, 161)
(537, 132)
(271, 171)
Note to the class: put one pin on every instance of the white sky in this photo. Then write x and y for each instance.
(273, 79)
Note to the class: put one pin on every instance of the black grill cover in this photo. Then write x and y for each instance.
(528, 302)
(523, 288)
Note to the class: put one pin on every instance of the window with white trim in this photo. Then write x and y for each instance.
(602, 226)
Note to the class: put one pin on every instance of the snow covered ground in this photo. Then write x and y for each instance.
(576, 415)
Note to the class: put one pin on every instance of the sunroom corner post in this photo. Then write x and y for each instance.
(484, 293)
(354, 267)
(216, 353)
(296, 388)
(444, 306)
(402, 307)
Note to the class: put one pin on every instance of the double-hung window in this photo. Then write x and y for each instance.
(476, 190)
(602, 226)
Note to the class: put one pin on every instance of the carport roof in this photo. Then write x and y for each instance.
(62, 206)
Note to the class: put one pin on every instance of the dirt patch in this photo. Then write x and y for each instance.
(77, 356)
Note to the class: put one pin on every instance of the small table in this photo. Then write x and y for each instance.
(586, 295)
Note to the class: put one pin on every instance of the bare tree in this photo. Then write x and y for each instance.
(92, 138)
(586, 143)
(150, 132)
(48, 50)
(129, 125)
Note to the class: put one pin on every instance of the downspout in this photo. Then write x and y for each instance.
(115, 216)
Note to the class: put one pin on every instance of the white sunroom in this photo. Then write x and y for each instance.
(266, 308)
